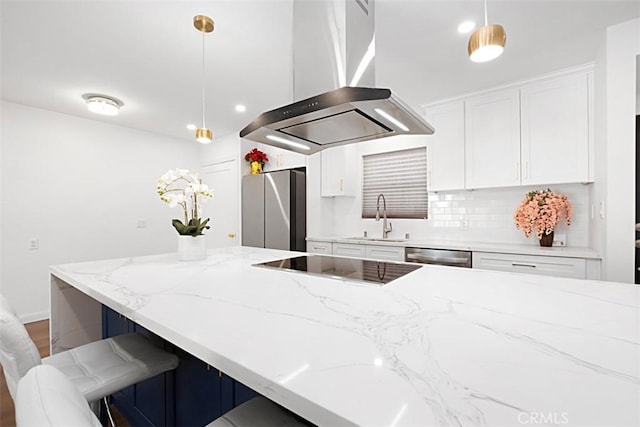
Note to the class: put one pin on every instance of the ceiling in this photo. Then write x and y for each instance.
(148, 54)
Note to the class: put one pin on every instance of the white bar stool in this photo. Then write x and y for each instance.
(46, 397)
(259, 412)
(97, 369)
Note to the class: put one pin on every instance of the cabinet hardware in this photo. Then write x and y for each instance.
(341, 184)
(519, 264)
(319, 248)
(231, 235)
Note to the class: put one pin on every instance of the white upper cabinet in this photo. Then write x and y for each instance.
(340, 167)
(445, 148)
(555, 130)
(536, 133)
(492, 125)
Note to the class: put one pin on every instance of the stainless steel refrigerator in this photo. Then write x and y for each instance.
(274, 210)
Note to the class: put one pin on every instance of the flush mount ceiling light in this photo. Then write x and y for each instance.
(102, 104)
(204, 24)
(241, 108)
(487, 43)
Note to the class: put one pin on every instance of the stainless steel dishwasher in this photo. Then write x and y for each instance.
(448, 257)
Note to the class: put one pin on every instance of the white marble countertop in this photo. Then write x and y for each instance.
(440, 346)
(556, 251)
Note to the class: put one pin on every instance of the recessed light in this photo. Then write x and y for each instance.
(191, 126)
(466, 27)
(241, 108)
(102, 104)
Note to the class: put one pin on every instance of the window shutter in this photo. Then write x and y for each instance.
(401, 176)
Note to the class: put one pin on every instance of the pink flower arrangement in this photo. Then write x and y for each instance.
(542, 211)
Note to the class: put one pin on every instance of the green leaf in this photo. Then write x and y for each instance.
(195, 227)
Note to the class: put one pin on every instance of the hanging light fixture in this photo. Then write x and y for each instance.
(204, 24)
(487, 43)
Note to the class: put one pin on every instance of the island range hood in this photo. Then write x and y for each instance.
(331, 39)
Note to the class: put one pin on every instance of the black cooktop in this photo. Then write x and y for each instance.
(361, 270)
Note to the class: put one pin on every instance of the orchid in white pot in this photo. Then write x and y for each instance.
(179, 187)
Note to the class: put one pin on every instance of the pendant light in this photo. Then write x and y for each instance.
(204, 24)
(487, 43)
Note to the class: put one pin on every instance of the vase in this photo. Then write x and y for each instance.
(256, 168)
(192, 248)
(547, 240)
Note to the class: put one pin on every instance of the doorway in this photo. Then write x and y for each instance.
(223, 209)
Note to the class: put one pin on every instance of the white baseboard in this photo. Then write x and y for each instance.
(34, 317)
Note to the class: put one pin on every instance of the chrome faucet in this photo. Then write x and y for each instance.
(386, 227)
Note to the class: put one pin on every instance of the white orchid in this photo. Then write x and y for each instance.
(179, 187)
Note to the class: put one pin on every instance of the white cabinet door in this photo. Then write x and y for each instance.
(531, 264)
(316, 247)
(492, 125)
(555, 130)
(386, 253)
(349, 249)
(339, 171)
(445, 148)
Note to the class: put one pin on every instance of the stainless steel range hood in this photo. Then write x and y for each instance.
(341, 116)
(332, 40)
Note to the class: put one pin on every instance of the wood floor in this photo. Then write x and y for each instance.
(39, 332)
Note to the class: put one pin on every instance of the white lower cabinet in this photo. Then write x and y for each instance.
(349, 249)
(315, 247)
(376, 252)
(385, 253)
(532, 264)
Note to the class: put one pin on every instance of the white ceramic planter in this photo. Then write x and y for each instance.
(192, 248)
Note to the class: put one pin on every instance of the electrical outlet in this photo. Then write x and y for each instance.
(33, 244)
(560, 238)
(142, 223)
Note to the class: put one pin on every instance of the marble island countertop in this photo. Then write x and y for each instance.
(440, 346)
(556, 251)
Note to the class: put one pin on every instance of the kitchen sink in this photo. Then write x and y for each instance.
(377, 239)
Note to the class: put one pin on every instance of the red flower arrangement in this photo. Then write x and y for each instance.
(256, 155)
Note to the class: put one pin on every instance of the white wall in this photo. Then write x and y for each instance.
(220, 149)
(623, 45)
(78, 186)
(460, 216)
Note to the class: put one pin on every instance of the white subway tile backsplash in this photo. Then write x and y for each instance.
(472, 216)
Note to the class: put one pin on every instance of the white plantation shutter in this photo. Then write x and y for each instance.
(402, 177)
